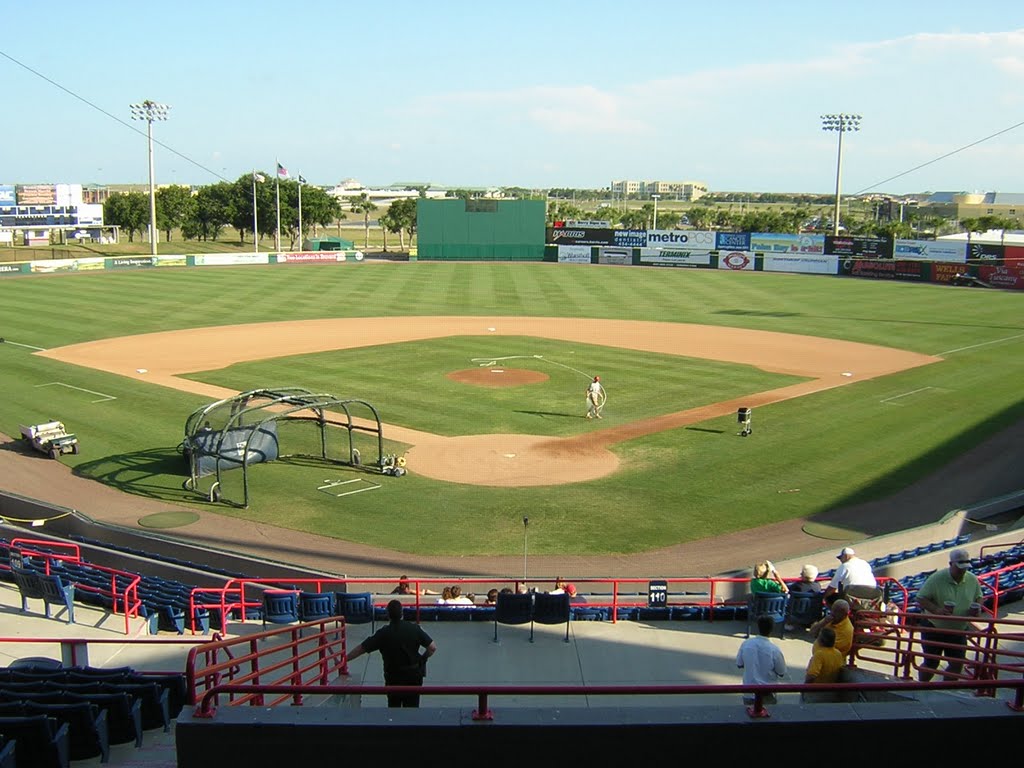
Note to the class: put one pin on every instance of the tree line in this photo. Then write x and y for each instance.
(206, 213)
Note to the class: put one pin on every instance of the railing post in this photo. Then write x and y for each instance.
(296, 636)
(254, 665)
(482, 712)
(758, 709)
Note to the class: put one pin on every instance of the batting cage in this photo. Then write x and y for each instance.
(269, 424)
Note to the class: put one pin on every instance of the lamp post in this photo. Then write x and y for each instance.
(842, 123)
(150, 111)
(526, 529)
(655, 198)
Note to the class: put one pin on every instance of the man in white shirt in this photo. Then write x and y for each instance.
(761, 660)
(852, 572)
(595, 398)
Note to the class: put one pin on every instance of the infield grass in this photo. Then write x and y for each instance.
(409, 386)
(806, 456)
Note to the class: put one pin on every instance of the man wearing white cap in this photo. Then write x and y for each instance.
(953, 591)
(852, 572)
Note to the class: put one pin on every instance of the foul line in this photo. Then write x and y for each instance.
(103, 397)
(905, 394)
(26, 346)
(982, 344)
(488, 362)
(336, 483)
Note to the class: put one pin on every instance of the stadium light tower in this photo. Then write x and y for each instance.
(842, 123)
(655, 198)
(150, 111)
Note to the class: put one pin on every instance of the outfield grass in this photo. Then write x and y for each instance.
(837, 447)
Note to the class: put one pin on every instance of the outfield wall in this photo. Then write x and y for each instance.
(116, 263)
(922, 261)
(927, 261)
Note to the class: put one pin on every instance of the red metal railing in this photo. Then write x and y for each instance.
(126, 593)
(280, 660)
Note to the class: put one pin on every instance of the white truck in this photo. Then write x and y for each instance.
(50, 438)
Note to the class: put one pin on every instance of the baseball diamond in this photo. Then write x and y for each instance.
(869, 408)
(501, 460)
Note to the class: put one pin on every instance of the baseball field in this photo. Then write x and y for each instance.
(857, 388)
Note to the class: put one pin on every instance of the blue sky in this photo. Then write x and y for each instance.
(533, 94)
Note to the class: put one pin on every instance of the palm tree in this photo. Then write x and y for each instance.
(386, 221)
(361, 203)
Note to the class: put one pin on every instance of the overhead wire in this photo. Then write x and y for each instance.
(940, 157)
(112, 116)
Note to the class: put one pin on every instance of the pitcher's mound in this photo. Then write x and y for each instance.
(498, 377)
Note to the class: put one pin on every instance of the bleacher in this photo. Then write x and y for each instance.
(170, 605)
(55, 714)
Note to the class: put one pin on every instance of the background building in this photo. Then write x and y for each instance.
(674, 190)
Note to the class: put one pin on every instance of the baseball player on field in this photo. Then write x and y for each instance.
(594, 398)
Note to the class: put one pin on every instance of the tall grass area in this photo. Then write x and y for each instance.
(837, 447)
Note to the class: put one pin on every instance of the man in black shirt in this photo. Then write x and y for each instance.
(399, 644)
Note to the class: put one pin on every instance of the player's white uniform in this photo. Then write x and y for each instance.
(593, 399)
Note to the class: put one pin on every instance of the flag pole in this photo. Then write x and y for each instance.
(301, 248)
(277, 192)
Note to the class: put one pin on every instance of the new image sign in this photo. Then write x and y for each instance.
(7, 196)
(630, 238)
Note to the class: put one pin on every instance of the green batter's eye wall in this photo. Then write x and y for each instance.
(480, 230)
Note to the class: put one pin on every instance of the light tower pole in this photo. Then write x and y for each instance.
(655, 198)
(841, 123)
(150, 111)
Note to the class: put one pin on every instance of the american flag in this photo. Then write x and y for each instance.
(282, 172)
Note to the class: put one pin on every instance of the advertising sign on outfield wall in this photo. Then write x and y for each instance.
(1009, 275)
(69, 265)
(858, 245)
(930, 250)
(614, 256)
(673, 257)
(777, 242)
(7, 196)
(579, 236)
(229, 259)
(883, 269)
(131, 262)
(630, 238)
(738, 261)
(318, 257)
(687, 240)
(732, 241)
(944, 272)
(574, 254)
(984, 252)
(808, 263)
(13, 269)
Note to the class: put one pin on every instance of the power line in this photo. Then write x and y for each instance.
(113, 117)
(941, 157)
